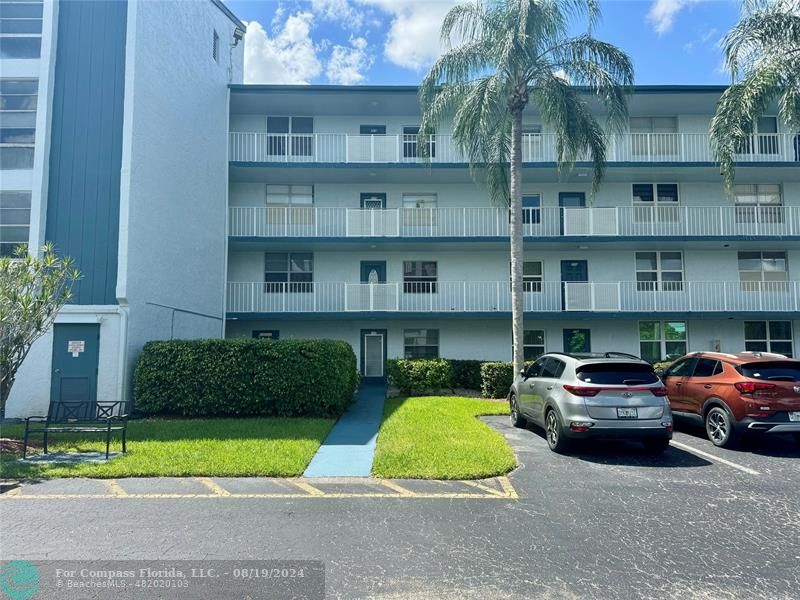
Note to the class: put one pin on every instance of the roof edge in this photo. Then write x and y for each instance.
(413, 89)
(229, 13)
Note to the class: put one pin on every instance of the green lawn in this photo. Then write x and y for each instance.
(441, 438)
(223, 447)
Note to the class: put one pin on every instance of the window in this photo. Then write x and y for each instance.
(531, 209)
(410, 137)
(20, 18)
(662, 340)
(655, 202)
(659, 271)
(18, 100)
(420, 218)
(297, 129)
(533, 343)
(532, 275)
(215, 47)
(758, 203)
(654, 136)
(553, 367)
(421, 343)
(290, 195)
(764, 138)
(419, 277)
(768, 336)
(266, 334)
(15, 220)
(682, 368)
(763, 271)
(707, 367)
(613, 374)
(288, 271)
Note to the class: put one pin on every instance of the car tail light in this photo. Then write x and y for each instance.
(668, 426)
(660, 392)
(749, 387)
(577, 390)
(580, 425)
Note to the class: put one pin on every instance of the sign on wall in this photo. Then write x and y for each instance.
(76, 347)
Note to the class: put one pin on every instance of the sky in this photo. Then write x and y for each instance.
(393, 42)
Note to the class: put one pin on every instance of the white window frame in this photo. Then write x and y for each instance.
(9, 247)
(406, 345)
(529, 282)
(671, 286)
(768, 341)
(758, 211)
(762, 284)
(417, 216)
(657, 211)
(420, 284)
(543, 345)
(288, 286)
(662, 337)
(292, 192)
(29, 146)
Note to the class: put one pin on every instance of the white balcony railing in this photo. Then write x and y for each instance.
(540, 147)
(550, 222)
(495, 296)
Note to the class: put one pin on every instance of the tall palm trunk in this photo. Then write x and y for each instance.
(517, 331)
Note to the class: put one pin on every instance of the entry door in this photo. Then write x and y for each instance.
(577, 340)
(373, 201)
(572, 271)
(373, 271)
(373, 352)
(75, 358)
(570, 200)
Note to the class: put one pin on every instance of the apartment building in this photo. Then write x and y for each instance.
(337, 228)
(113, 130)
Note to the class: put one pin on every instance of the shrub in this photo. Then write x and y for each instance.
(496, 379)
(413, 376)
(286, 378)
(466, 374)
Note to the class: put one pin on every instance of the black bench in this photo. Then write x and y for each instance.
(79, 417)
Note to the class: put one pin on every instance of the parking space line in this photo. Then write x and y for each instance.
(397, 488)
(215, 488)
(715, 458)
(480, 486)
(307, 487)
(505, 483)
(114, 487)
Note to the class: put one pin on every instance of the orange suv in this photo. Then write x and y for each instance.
(736, 393)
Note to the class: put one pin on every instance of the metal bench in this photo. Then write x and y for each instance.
(79, 417)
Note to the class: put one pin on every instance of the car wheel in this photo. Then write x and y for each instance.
(656, 446)
(554, 432)
(720, 427)
(517, 420)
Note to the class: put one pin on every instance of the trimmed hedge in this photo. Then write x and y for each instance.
(285, 378)
(496, 379)
(421, 375)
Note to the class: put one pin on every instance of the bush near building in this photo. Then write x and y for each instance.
(283, 378)
(419, 376)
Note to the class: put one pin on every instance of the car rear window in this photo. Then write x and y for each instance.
(776, 371)
(612, 374)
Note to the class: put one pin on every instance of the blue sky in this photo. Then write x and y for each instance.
(357, 42)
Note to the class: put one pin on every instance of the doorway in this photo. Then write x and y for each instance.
(373, 353)
(570, 200)
(373, 271)
(572, 271)
(76, 354)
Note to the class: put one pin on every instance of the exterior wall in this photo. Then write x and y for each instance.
(174, 170)
(83, 206)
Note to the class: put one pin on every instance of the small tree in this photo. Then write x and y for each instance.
(32, 291)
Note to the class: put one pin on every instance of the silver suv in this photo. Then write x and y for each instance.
(574, 396)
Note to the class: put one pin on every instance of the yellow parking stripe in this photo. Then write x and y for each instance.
(114, 487)
(507, 488)
(406, 493)
(215, 488)
(307, 487)
(480, 486)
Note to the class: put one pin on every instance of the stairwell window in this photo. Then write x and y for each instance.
(662, 340)
(288, 272)
(18, 103)
(419, 277)
(21, 29)
(421, 343)
(659, 271)
(758, 203)
(763, 271)
(768, 336)
(15, 220)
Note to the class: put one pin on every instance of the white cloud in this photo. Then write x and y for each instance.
(663, 12)
(413, 39)
(347, 65)
(340, 11)
(289, 56)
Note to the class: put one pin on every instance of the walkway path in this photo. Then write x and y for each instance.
(350, 446)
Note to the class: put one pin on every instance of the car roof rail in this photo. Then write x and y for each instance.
(622, 355)
(581, 355)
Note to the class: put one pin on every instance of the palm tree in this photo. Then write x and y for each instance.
(503, 55)
(762, 53)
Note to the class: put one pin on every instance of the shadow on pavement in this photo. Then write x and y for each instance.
(777, 445)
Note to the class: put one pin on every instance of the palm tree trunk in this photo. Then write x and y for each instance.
(516, 240)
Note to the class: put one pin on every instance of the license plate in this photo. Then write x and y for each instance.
(627, 413)
(794, 416)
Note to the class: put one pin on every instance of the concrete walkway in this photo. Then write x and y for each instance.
(350, 446)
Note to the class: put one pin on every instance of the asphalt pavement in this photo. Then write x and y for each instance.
(607, 522)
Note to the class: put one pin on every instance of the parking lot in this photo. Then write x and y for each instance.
(609, 521)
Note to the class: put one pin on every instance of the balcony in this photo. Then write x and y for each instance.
(723, 297)
(536, 148)
(490, 222)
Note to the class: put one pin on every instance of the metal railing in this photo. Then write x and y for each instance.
(465, 222)
(495, 296)
(536, 147)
